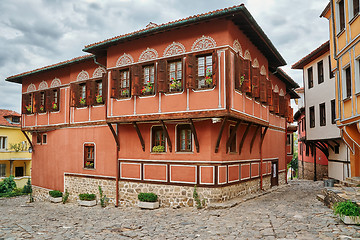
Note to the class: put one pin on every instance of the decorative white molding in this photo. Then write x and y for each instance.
(263, 70)
(43, 85)
(99, 72)
(237, 47)
(55, 82)
(148, 54)
(281, 93)
(83, 75)
(205, 42)
(174, 49)
(276, 89)
(255, 63)
(125, 59)
(31, 88)
(247, 55)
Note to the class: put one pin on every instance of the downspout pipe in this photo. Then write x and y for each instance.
(97, 63)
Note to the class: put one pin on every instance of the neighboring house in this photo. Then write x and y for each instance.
(290, 140)
(344, 25)
(14, 160)
(319, 105)
(207, 105)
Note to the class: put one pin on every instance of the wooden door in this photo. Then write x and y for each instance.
(274, 174)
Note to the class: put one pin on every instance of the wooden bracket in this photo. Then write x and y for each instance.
(263, 133)
(139, 135)
(193, 130)
(244, 137)
(27, 137)
(115, 135)
(166, 135)
(329, 145)
(232, 135)
(220, 134)
(254, 136)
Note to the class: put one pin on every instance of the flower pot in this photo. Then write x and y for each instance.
(87, 203)
(55, 200)
(148, 205)
(350, 220)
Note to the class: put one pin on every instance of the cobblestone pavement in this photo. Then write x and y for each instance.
(290, 212)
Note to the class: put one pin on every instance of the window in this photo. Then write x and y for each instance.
(3, 143)
(204, 71)
(44, 139)
(333, 112)
(288, 139)
(89, 156)
(148, 80)
(27, 103)
(322, 114)
(312, 117)
(184, 138)
(348, 82)
(307, 150)
(336, 149)
(341, 15)
(2, 170)
(38, 138)
(82, 93)
(355, 8)
(175, 76)
(55, 100)
(320, 68)
(99, 92)
(232, 147)
(124, 83)
(331, 74)
(42, 102)
(19, 171)
(15, 119)
(303, 124)
(310, 77)
(158, 139)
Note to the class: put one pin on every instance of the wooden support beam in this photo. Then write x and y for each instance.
(166, 135)
(263, 133)
(116, 136)
(244, 137)
(220, 134)
(139, 135)
(254, 136)
(193, 130)
(27, 137)
(232, 135)
(322, 148)
(329, 145)
(336, 143)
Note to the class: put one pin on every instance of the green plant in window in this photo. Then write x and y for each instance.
(89, 164)
(99, 98)
(175, 84)
(148, 88)
(208, 77)
(125, 92)
(158, 148)
(82, 101)
(54, 106)
(28, 108)
(42, 108)
(242, 79)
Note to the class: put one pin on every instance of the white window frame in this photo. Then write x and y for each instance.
(357, 74)
(42, 138)
(343, 81)
(3, 138)
(3, 166)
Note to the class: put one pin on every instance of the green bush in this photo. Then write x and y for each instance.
(65, 196)
(158, 148)
(27, 188)
(147, 197)
(7, 185)
(55, 193)
(87, 197)
(346, 208)
(12, 194)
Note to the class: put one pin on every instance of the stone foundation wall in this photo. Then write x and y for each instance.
(282, 178)
(308, 171)
(39, 193)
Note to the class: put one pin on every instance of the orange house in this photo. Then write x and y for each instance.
(198, 101)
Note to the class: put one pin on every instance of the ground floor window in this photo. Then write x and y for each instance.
(19, 171)
(2, 170)
(89, 155)
(158, 139)
(184, 138)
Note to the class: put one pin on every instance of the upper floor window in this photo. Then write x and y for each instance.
(124, 83)
(204, 71)
(42, 102)
(184, 138)
(312, 117)
(158, 139)
(341, 14)
(99, 92)
(331, 74)
(175, 76)
(89, 156)
(333, 112)
(354, 8)
(3, 143)
(322, 114)
(320, 68)
(310, 77)
(348, 81)
(288, 139)
(148, 80)
(82, 92)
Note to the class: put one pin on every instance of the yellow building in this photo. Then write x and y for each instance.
(15, 158)
(344, 26)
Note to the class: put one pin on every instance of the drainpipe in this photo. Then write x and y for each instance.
(261, 160)
(97, 63)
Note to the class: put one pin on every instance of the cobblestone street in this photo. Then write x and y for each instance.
(290, 212)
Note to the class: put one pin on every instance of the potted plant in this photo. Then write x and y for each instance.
(99, 98)
(87, 199)
(28, 108)
(82, 101)
(55, 196)
(349, 212)
(148, 200)
(42, 109)
(125, 93)
(147, 89)
(54, 106)
(208, 78)
(158, 148)
(175, 85)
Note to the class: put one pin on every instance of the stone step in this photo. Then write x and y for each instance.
(321, 198)
(355, 180)
(349, 183)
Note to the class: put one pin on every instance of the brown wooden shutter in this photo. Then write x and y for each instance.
(263, 89)
(281, 105)
(276, 102)
(255, 82)
(90, 92)
(269, 92)
(58, 99)
(136, 71)
(162, 76)
(290, 115)
(25, 102)
(74, 100)
(115, 82)
(272, 102)
(37, 98)
(190, 69)
(104, 82)
(215, 70)
(48, 102)
(237, 72)
(246, 72)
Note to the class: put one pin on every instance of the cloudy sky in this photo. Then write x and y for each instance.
(38, 33)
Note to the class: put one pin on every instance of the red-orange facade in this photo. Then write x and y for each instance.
(194, 102)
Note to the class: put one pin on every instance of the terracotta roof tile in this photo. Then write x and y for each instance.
(8, 113)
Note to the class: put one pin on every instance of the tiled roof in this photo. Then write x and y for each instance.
(7, 113)
(325, 47)
(17, 78)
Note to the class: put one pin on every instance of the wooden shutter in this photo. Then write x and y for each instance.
(48, 101)
(190, 69)
(74, 100)
(237, 72)
(276, 102)
(290, 115)
(36, 104)
(281, 105)
(115, 82)
(246, 72)
(269, 92)
(104, 82)
(136, 80)
(162, 76)
(255, 82)
(90, 92)
(58, 99)
(263, 89)
(25, 102)
(215, 72)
